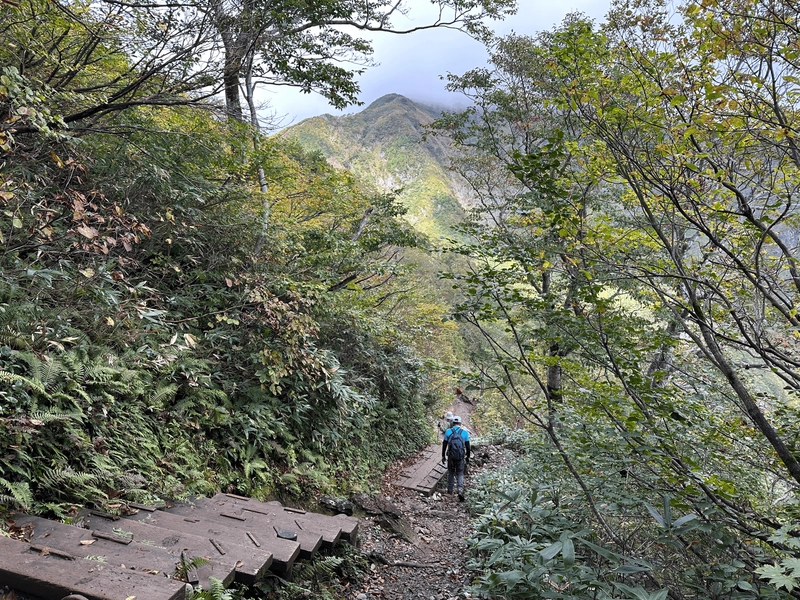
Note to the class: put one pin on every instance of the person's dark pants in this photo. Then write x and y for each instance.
(455, 471)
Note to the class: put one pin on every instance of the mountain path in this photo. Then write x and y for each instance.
(428, 562)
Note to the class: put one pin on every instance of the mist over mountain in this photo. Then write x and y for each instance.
(383, 144)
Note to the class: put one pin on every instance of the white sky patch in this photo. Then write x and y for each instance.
(414, 65)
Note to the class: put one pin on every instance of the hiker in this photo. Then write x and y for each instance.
(448, 422)
(455, 447)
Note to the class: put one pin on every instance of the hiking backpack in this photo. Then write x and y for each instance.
(455, 445)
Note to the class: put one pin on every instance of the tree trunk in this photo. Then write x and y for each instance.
(233, 102)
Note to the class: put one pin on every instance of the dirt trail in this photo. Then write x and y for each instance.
(430, 563)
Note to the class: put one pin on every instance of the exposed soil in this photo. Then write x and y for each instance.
(425, 556)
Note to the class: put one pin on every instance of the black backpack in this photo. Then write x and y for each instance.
(455, 445)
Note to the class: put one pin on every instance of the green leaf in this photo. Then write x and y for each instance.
(776, 576)
(604, 552)
(567, 549)
(637, 593)
(793, 565)
(551, 551)
(656, 515)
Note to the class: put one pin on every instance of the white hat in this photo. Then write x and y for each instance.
(448, 415)
(456, 420)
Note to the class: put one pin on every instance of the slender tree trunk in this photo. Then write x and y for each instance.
(235, 43)
(753, 410)
(554, 391)
(262, 179)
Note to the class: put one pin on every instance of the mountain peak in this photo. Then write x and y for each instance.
(390, 98)
(385, 145)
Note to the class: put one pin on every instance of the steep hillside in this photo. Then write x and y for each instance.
(383, 144)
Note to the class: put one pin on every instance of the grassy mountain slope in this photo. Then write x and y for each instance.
(383, 144)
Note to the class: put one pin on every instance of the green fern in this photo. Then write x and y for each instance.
(44, 371)
(50, 416)
(78, 483)
(162, 395)
(11, 379)
(13, 339)
(19, 494)
(62, 510)
(216, 591)
(186, 565)
(321, 569)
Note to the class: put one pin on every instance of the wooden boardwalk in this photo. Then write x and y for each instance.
(426, 473)
(51, 574)
(105, 557)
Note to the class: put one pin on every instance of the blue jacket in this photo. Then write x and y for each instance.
(464, 436)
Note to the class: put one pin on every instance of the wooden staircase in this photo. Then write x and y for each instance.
(105, 557)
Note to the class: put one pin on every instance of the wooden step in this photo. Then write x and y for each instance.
(111, 548)
(261, 526)
(425, 474)
(284, 552)
(247, 565)
(310, 521)
(329, 530)
(30, 570)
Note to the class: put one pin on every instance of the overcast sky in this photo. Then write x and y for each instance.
(412, 65)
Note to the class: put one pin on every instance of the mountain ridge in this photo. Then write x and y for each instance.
(385, 145)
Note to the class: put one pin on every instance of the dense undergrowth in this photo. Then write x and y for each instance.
(535, 535)
(147, 349)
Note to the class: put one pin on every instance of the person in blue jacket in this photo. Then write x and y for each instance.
(455, 447)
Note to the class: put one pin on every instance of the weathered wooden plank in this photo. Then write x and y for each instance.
(114, 549)
(284, 552)
(261, 527)
(246, 565)
(330, 530)
(348, 525)
(427, 471)
(50, 576)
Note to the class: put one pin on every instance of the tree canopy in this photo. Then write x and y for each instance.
(633, 272)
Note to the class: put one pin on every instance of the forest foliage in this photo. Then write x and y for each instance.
(187, 305)
(633, 273)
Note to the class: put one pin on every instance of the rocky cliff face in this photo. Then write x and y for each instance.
(384, 145)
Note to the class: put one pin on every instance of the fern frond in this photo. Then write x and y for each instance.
(12, 378)
(217, 589)
(60, 478)
(163, 394)
(20, 494)
(14, 339)
(257, 466)
(321, 568)
(59, 509)
(97, 373)
(49, 416)
(183, 405)
(35, 366)
(185, 565)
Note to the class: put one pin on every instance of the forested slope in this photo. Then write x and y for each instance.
(185, 305)
(386, 145)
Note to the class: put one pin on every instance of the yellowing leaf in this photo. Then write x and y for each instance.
(87, 232)
(87, 542)
(57, 160)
